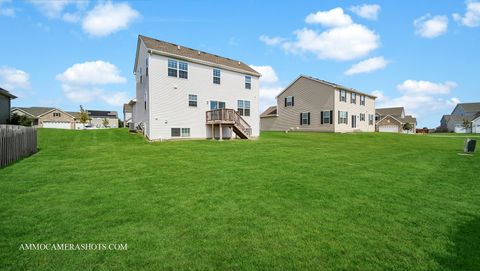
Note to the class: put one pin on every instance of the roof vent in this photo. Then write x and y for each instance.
(239, 63)
(198, 52)
(178, 47)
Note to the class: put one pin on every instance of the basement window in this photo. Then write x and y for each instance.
(180, 132)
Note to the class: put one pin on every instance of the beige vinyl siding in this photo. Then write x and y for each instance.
(4, 109)
(309, 96)
(354, 109)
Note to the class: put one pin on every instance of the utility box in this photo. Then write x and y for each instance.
(131, 127)
(470, 145)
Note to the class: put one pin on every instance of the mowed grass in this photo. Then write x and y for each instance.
(297, 201)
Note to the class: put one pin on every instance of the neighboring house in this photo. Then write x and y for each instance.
(311, 104)
(461, 113)
(476, 124)
(127, 114)
(97, 118)
(392, 120)
(48, 117)
(187, 93)
(444, 124)
(5, 105)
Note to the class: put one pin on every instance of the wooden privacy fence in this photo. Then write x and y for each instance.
(16, 142)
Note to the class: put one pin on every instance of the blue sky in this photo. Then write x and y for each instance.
(419, 54)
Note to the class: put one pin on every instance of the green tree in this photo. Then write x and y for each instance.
(120, 123)
(407, 126)
(23, 120)
(83, 116)
(466, 124)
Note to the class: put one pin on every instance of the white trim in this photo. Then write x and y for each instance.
(391, 117)
(17, 108)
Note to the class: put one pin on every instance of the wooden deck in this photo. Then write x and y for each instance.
(228, 118)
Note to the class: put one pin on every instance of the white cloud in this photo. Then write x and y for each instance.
(6, 11)
(92, 73)
(431, 27)
(472, 15)
(107, 18)
(269, 76)
(366, 11)
(267, 96)
(331, 18)
(11, 78)
(426, 87)
(80, 82)
(71, 17)
(340, 43)
(271, 40)
(423, 99)
(366, 66)
(54, 8)
(116, 99)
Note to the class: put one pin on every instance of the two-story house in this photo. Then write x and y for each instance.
(5, 105)
(187, 93)
(311, 104)
(463, 112)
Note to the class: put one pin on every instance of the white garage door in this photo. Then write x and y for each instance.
(388, 129)
(57, 124)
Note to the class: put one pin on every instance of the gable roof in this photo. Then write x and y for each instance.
(394, 111)
(34, 111)
(326, 83)
(127, 108)
(178, 51)
(446, 117)
(470, 107)
(6, 93)
(269, 112)
(409, 119)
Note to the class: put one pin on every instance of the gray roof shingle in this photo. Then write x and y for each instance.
(185, 52)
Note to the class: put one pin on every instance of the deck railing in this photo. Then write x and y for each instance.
(228, 116)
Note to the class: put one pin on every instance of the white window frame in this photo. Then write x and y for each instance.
(326, 118)
(289, 100)
(343, 95)
(362, 99)
(353, 98)
(343, 117)
(243, 108)
(362, 116)
(192, 98)
(217, 76)
(304, 118)
(248, 82)
(370, 119)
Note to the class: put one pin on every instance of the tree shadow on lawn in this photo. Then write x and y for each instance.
(464, 254)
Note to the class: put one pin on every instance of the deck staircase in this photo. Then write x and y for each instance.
(229, 118)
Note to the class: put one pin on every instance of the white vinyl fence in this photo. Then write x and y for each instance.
(16, 142)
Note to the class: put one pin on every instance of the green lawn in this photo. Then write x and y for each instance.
(284, 202)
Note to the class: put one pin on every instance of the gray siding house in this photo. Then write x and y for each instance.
(311, 104)
(461, 113)
(5, 105)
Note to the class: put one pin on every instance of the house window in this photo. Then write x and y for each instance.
(248, 82)
(180, 132)
(185, 132)
(244, 108)
(192, 100)
(216, 76)
(342, 117)
(305, 118)
(362, 100)
(183, 70)
(362, 116)
(353, 98)
(343, 96)
(289, 101)
(57, 114)
(216, 105)
(146, 66)
(326, 117)
(370, 119)
(172, 68)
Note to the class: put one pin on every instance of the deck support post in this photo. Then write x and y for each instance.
(221, 133)
(213, 131)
